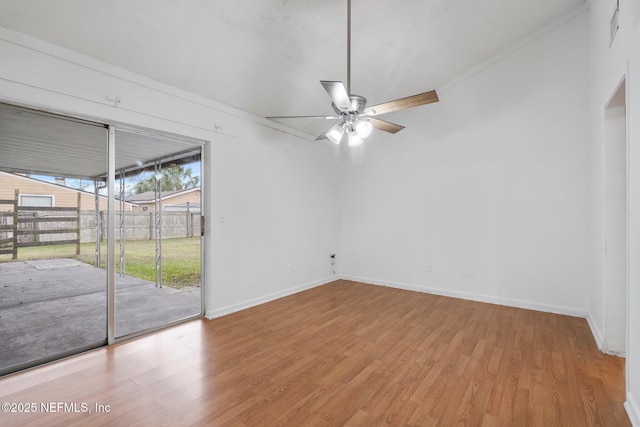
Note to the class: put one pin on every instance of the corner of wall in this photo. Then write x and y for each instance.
(229, 309)
(507, 302)
(633, 409)
(595, 331)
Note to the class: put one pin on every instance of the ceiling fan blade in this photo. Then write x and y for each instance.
(323, 135)
(303, 117)
(386, 126)
(338, 94)
(403, 103)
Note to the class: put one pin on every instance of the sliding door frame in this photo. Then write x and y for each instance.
(111, 237)
(112, 338)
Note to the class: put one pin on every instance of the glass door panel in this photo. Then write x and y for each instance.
(158, 214)
(52, 289)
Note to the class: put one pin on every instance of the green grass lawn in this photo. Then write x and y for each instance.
(180, 258)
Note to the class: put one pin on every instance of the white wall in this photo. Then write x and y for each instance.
(278, 204)
(489, 189)
(275, 190)
(609, 65)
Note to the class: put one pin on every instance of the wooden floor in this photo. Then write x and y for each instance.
(341, 354)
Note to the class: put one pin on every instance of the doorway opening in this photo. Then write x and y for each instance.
(615, 223)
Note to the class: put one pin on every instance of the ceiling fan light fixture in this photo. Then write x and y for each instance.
(354, 139)
(357, 120)
(364, 128)
(335, 134)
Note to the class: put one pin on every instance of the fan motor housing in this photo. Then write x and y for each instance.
(358, 104)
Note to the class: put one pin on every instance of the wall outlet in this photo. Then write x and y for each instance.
(467, 273)
(428, 269)
(290, 269)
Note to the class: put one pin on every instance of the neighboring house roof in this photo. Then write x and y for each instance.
(150, 196)
(183, 207)
(46, 184)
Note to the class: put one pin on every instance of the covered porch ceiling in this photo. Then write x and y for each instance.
(34, 142)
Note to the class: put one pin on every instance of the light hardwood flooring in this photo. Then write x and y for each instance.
(340, 354)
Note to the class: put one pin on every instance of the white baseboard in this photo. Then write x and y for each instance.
(633, 409)
(473, 297)
(223, 311)
(595, 331)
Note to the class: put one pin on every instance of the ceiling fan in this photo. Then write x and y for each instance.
(356, 119)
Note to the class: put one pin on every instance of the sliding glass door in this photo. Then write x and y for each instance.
(157, 231)
(71, 193)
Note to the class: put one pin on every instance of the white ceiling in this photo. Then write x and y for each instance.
(267, 56)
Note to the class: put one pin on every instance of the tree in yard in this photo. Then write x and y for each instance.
(173, 178)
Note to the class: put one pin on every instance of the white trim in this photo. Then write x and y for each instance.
(633, 409)
(169, 196)
(223, 311)
(206, 244)
(70, 56)
(182, 208)
(50, 196)
(552, 25)
(509, 302)
(601, 339)
(111, 236)
(628, 184)
(597, 334)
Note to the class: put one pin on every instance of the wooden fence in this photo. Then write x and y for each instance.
(25, 226)
(140, 225)
(39, 226)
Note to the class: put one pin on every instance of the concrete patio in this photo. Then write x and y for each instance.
(48, 307)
